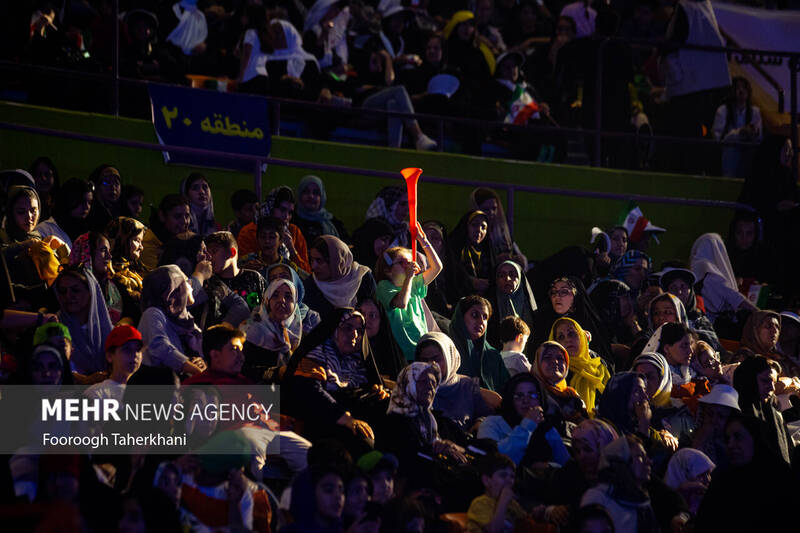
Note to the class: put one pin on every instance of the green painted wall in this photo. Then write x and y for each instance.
(543, 223)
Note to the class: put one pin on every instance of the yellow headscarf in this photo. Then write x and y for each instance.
(463, 16)
(589, 374)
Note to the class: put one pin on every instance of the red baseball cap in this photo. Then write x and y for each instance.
(122, 334)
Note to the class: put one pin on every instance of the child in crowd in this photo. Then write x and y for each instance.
(401, 289)
(514, 334)
(495, 510)
(243, 203)
(124, 355)
(249, 284)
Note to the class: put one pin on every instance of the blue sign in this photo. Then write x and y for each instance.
(223, 122)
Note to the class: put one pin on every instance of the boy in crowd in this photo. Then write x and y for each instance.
(248, 284)
(124, 355)
(514, 334)
(496, 509)
(243, 203)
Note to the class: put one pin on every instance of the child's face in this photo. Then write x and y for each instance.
(397, 271)
(495, 483)
(382, 486)
(476, 230)
(135, 204)
(329, 494)
(246, 214)
(127, 358)
(46, 369)
(220, 257)
(230, 358)
(268, 241)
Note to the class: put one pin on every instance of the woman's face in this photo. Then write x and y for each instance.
(716, 416)
(663, 312)
(372, 316)
(465, 30)
(475, 320)
(625, 306)
(381, 244)
(135, 249)
(401, 209)
(348, 335)
(679, 353)
(739, 444)
(46, 369)
(619, 239)
(567, 336)
(638, 393)
(268, 242)
(586, 456)
(26, 213)
(81, 210)
(73, 295)
(766, 380)
(433, 51)
(177, 219)
(135, 204)
(329, 495)
(319, 266)
(432, 353)
(110, 186)
(526, 397)
(180, 298)
(426, 388)
(710, 364)
(768, 332)
(640, 464)
(102, 257)
(744, 234)
(199, 194)
(680, 289)
(281, 304)
(553, 365)
(437, 240)
(279, 272)
(562, 297)
(476, 230)
(652, 377)
(637, 274)
(357, 497)
(44, 176)
(507, 279)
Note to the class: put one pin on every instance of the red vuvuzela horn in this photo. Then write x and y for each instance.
(411, 175)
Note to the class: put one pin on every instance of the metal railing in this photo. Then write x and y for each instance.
(510, 188)
(741, 55)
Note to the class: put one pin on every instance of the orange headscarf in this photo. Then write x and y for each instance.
(561, 388)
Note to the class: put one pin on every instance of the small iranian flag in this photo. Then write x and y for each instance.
(522, 107)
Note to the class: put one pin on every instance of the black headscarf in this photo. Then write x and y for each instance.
(388, 355)
(364, 240)
(14, 232)
(70, 196)
(458, 241)
(507, 409)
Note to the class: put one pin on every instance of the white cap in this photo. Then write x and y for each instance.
(724, 395)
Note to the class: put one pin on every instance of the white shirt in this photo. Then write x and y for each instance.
(257, 62)
(106, 389)
(739, 121)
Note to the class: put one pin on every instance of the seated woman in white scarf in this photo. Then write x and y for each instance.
(273, 330)
(337, 280)
(293, 71)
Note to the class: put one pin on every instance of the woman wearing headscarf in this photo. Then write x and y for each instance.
(171, 219)
(125, 235)
(570, 482)
(197, 190)
(612, 300)
(588, 373)
(712, 268)
(293, 71)
(70, 212)
(632, 269)
(19, 244)
(325, 33)
(503, 246)
(755, 479)
(754, 380)
(689, 473)
(170, 335)
(279, 204)
(388, 355)
(760, 337)
(273, 330)
(673, 341)
(371, 239)
(93, 251)
(567, 297)
(391, 204)
(625, 404)
(310, 214)
(410, 427)
(479, 359)
(450, 285)
(83, 311)
(466, 52)
(624, 475)
(458, 397)
(510, 295)
(309, 317)
(333, 374)
(472, 250)
(550, 366)
(522, 411)
(680, 282)
(336, 280)
(667, 414)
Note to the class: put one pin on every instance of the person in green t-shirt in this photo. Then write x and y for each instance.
(401, 288)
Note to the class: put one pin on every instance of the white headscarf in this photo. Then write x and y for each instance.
(337, 35)
(265, 333)
(293, 54)
(452, 358)
(192, 28)
(709, 257)
(685, 465)
(346, 275)
(681, 375)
